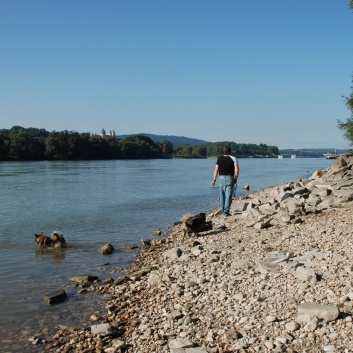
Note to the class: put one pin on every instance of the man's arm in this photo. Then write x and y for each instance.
(215, 173)
(237, 171)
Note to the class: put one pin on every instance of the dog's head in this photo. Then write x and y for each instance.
(201, 216)
(39, 237)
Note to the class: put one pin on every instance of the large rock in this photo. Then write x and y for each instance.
(155, 278)
(268, 209)
(286, 195)
(276, 257)
(291, 205)
(242, 264)
(173, 254)
(56, 297)
(301, 192)
(326, 203)
(83, 279)
(344, 194)
(105, 330)
(180, 343)
(267, 267)
(106, 249)
(305, 274)
(325, 312)
(263, 223)
(189, 350)
(136, 275)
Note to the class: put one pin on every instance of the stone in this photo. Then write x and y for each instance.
(305, 274)
(105, 330)
(242, 264)
(311, 326)
(172, 254)
(325, 312)
(94, 317)
(267, 267)
(268, 209)
(292, 326)
(263, 224)
(271, 318)
(136, 275)
(180, 343)
(189, 350)
(106, 249)
(84, 279)
(276, 257)
(56, 297)
(286, 196)
(131, 247)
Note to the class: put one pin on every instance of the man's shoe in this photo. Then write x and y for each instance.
(227, 214)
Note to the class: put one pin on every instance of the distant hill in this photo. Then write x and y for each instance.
(175, 140)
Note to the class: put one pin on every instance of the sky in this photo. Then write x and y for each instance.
(247, 71)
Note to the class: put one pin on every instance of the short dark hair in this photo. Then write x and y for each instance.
(226, 150)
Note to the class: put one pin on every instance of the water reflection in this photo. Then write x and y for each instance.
(57, 254)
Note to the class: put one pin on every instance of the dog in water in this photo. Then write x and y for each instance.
(56, 240)
(194, 224)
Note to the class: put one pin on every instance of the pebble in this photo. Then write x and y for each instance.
(211, 294)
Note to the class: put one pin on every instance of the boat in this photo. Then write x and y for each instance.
(280, 156)
(293, 156)
(329, 155)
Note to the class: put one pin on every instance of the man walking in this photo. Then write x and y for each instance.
(228, 170)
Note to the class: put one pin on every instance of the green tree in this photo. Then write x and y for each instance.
(139, 147)
(200, 151)
(167, 148)
(272, 150)
(56, 145)
(184, 150)
(4, 145)
(347, 125)
(24, 146)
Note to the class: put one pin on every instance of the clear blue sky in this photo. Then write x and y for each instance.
(248, 71)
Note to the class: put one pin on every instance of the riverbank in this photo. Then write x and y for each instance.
(275, 276)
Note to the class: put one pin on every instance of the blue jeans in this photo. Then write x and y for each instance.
(226, 188)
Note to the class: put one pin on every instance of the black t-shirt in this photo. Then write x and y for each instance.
(226, 165)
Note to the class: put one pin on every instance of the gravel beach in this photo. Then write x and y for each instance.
(275, 276)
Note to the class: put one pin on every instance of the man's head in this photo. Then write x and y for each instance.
(226, 150)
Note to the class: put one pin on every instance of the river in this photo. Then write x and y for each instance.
(94, 203)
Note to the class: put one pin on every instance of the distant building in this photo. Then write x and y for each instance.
(104, 135)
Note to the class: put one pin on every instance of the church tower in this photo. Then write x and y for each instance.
(102, 134)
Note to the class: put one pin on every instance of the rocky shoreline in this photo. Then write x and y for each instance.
(276, 276)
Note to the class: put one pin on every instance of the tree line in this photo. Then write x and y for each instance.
(23, 144)
(346, 126)
(215, 149)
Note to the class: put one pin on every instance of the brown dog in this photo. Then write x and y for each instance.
(56, 240)
(195, 224)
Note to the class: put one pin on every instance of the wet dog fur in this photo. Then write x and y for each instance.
(194, 224)
(56, 240)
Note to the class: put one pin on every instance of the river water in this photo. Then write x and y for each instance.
(94, 203)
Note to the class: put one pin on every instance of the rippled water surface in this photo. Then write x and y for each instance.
(94, 203)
